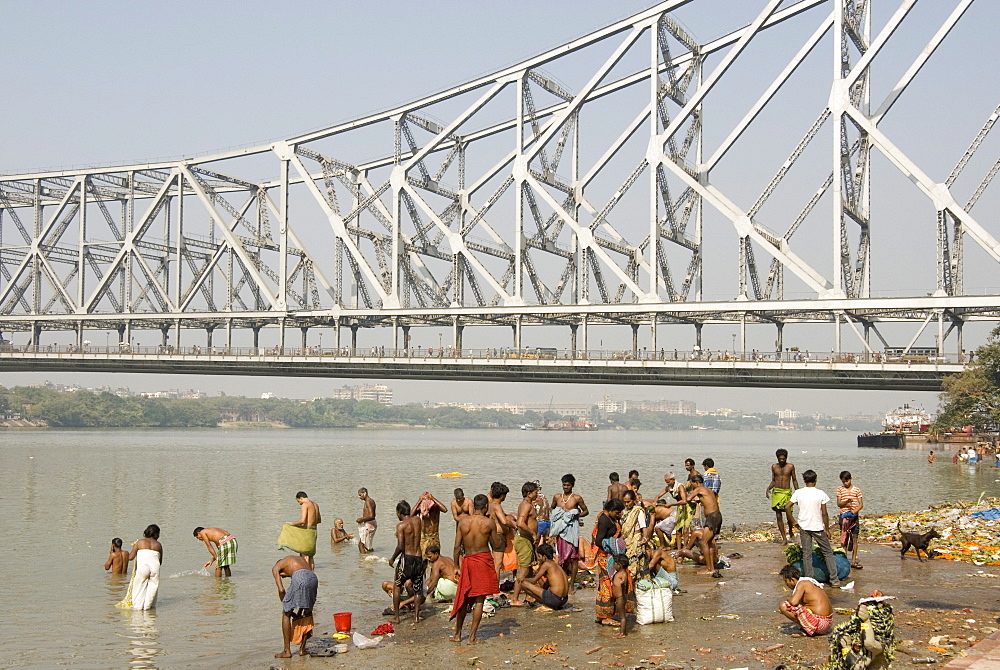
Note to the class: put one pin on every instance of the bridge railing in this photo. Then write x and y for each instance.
(490, 354)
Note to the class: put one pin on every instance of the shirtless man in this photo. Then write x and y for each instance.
(411, 562)
(297, 602)
(310, 518)
(366, 522)
(713, 525)
(783, 483)
(666, 523)
(556, 593)
(809, 605)
(460, 505)
(569, 554)
(541, 504)
(526, 538)
(443, 581)
(505, 524)
(221, 545)
(117, 561)
(615, 488)
(689, 466)
(663, 565)
(338, 534)
(475, 536)
(429, 510)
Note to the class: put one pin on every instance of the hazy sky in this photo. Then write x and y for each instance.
(100, 82)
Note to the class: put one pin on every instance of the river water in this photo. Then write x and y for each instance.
(65, 494)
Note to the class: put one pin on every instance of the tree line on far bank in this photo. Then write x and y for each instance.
(86, 409)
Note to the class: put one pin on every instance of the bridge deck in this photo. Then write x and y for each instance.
(909, 376)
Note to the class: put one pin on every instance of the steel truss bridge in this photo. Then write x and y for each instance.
(519, 200)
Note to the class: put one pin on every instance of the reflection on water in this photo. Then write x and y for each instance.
(144, 647)
(81, 488)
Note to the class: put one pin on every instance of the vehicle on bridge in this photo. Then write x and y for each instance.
(913, 354)
(533, 353)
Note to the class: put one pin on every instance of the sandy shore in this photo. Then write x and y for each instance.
(727, 623)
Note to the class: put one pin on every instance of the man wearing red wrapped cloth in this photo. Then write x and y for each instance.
(475, 536)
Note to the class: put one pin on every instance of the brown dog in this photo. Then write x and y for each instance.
(917, 541)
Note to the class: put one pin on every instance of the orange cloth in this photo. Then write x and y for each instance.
(509, 555)
(300, 628)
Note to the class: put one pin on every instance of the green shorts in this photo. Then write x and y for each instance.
(780, 499)
(525, 551)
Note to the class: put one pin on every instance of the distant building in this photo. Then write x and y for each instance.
(787, 414)
(380, 393)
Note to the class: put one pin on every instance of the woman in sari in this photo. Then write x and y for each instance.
(608, 542)
(633, 525)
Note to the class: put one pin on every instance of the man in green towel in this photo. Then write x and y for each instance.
(300, 536)
(783, 482)
(224, 550)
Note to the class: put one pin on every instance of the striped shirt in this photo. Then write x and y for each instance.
(852, 496)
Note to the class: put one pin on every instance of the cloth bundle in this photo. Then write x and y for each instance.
(654, 601)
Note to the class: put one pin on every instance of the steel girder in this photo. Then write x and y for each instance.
(491, 204)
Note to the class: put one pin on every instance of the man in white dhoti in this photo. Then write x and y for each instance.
(148, 555)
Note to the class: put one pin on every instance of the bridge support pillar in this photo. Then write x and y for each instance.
(208, 338)
(177, 335)
(36, 335)
(836, 334)
(229, 336)
(457, 336)
(164, 335)
(517, 332)
(128, 333)
(697, 335)
(336, 330)
(354, 338)
(406, 338)
(583, 322)
(652, 334)
(395, 332)
(256, 337)
(635, 340)
(305, 343)
(868, 327)
(281, 336)
(961, 352)
(572, 339)
(79, 335)
(779, 343)
(121, 335)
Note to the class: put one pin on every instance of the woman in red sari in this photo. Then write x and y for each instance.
(607, 542)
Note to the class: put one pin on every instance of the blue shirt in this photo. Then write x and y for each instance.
(712, 482)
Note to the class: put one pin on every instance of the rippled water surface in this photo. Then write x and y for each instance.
(65, 494)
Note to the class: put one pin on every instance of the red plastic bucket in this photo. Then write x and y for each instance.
(342, 622)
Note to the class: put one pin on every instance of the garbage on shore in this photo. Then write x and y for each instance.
(970, 531)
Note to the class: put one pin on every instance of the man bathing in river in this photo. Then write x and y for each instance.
(476, 535)
(296, 603)
(783, 483)
(117, 561)
(615, 489)
(221, 545)
(410, 567)
(338, 534)
(505, 524)
(366, 522)
(300, 536)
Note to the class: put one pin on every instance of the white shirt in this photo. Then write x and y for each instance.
(810, 511)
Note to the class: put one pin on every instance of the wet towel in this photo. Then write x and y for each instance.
(565, 525)
(300, 540)
(301, 592)
(426, 505)
(478, 578)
